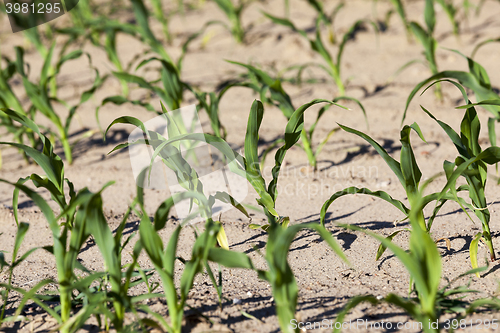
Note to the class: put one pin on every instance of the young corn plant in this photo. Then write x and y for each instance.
(164, 257)
(42, 102)
(426, 38)
(173, 87)
(477, 80)
(423, 263)
(467, 145)
(9, 100)
(68, 237)
(233, 13)
(333, 68)
(111, 248)
(408, 174)
(271, 91)
(82, 217)
(281, 235)
(400, 9)
(253, 167)
(162, 17)
(147, 36)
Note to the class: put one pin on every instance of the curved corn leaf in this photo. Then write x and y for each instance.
(355, 190)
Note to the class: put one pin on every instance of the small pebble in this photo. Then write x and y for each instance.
(236, 301)
(249, 294)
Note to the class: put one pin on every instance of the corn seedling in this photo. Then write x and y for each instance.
(477, 80)
(271, 91)
(8, 99)
(42, 102)
(328, 20)
(163, 257)
(233, 13)
(399, 7)
(68, 237)
(333, 65)
(142, 17)
(163, 260)
(426, 38)
(424, 264)
(173, 87)
(83, 216)
(408, 174)
(111, 248)
(467, 144)
(281, 235)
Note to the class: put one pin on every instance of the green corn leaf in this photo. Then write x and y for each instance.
(478, 46)
(22, 229)
(15, 198)
(252, 166)
(430, 15)
(134, 79)
(226, 198)
(409, 168)
(293, 131)
(47, 65)
(391, 162)
(474, 244)
(455, 138)
(142, 17)
(52, 165)
(230, 259)
(355, 190)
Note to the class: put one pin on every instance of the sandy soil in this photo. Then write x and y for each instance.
(325, 282)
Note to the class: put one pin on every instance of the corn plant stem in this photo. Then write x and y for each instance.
(119, 313)
(335, 73)
(67, 148)
(175, 310)
(65, 298)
